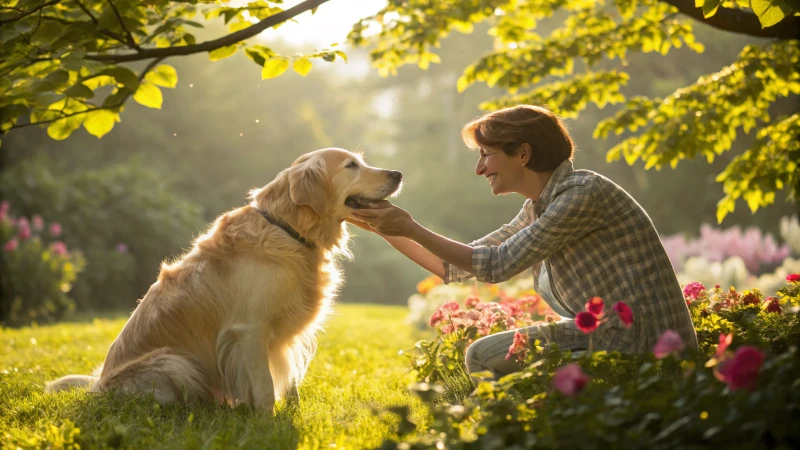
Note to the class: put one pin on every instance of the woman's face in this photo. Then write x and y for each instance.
(502, 171)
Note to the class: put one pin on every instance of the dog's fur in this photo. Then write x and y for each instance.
(235, 319)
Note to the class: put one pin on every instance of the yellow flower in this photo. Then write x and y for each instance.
(428, 283)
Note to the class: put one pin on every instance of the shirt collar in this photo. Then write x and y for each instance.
(561, 172)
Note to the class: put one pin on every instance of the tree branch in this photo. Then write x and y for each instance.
(208, 46)
(740, 21)
(131, 40)
(28, 13)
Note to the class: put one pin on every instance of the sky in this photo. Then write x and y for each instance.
(330, 24)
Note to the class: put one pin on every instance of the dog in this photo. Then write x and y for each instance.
(234, 320)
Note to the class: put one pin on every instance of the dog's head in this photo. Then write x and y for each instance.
(333, 181)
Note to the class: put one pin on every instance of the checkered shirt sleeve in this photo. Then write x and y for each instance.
(495, 238)
(569, 217)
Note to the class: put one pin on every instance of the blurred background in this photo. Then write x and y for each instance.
(122, 204)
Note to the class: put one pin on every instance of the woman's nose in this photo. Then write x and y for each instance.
(480, 168)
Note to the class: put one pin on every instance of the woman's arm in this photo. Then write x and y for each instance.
(406, 235)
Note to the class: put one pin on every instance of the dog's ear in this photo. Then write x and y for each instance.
(308, 185)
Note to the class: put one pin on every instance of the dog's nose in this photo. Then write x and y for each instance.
(396, 175)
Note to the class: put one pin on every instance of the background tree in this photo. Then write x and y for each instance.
(584, 61)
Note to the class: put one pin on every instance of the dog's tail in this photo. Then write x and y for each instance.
(73, 381)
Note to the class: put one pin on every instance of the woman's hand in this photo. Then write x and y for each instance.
(384, 218)
(362, 225)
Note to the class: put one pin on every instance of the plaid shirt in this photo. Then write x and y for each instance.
(595, 240)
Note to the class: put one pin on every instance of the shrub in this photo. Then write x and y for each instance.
(37, 271)
(672, 398)
(102, 212)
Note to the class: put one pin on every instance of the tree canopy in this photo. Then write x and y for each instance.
(64, 64)
(584, 61)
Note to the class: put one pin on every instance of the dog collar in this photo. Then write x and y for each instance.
(289, 230)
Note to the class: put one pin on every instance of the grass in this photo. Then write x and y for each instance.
(356, 374)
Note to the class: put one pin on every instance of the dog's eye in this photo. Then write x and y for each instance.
(352, 165)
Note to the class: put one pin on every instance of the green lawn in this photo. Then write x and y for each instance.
(356, 373)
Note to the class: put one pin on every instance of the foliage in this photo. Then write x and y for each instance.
(38, 270)
(60, 62)
(355, 372)
(585, 62)
(124, 218)
(674, 398)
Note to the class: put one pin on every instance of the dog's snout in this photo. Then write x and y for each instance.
(396, 175)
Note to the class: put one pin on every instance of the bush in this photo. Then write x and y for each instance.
(672, 398)
(123, 217)
(37, 270)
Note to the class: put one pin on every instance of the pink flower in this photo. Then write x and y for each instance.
(472, 301)
(22, 222)
(4, 207)
(59, 248)
(38, 223)
(55, 229)
(122, 248)
(436, 317)
(569, 380)
(24, 233)
(624, 312)
(774, 306)
(669, 342)
(693, 290)
(447, 329)
(724, 341)
(11, 245)
(518, 348)
(450, 306)
(595, 306)
(793, 277)
(742, 371)
(586, 322)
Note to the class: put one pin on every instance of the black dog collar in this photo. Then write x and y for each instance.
(289, 230)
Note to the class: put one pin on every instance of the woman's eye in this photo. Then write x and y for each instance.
(352, 165)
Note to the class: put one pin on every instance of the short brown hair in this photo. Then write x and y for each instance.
(508, 128)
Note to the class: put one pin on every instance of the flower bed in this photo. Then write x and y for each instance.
(739, 390)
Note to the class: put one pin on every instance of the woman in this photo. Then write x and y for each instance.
(582, 235)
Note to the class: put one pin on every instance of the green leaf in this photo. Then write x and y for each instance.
(710, 8)
(770, 12)
(124, 76)
(62, 128)
(222, 53)
(99, 122)
(80, 90)
(107, 20)
(274, 67)
(302, 66)
(149, 95)
(163, 75)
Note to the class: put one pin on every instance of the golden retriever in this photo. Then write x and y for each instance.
(234, 320)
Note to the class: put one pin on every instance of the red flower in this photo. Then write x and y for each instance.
(724, 341)
(595, 306)
(569, 380)
(751, 298)
(518, 348)
(773, 306)
(793, 277)
(742, 371)
(586, 322)
(625, 313)
(669, 342)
